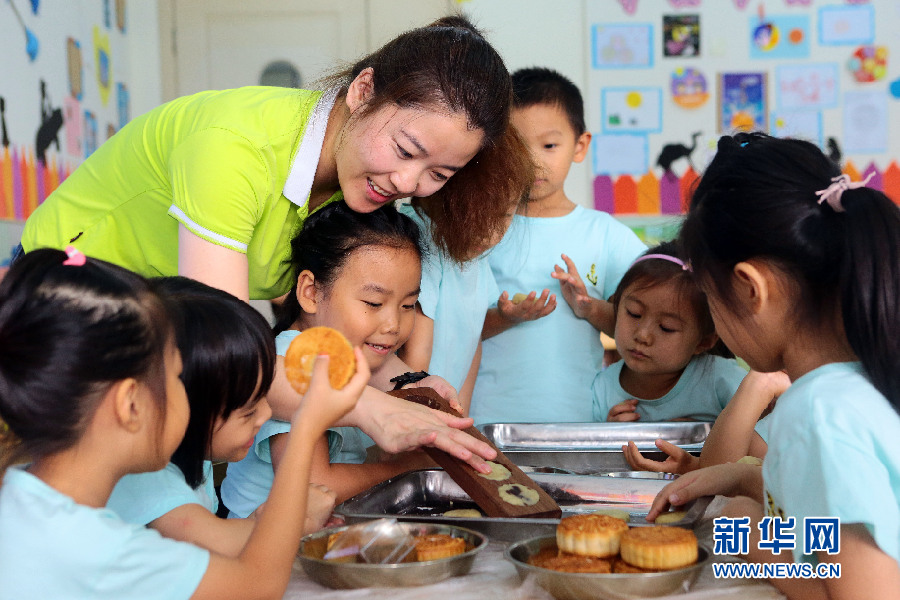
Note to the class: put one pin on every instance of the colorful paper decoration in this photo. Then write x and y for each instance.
(630, 6)
(688, 87)
(103, 64)
(868, 63)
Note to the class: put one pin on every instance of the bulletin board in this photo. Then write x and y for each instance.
(668, 77)
(64, 89)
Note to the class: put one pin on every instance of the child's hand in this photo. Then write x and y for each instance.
(323, 405)
(679, 460)
(573, 288)
(729, 479)
(320, 502)
(533, 307)
(624, 411)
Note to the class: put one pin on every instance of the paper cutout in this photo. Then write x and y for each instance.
(631, 110)
(120, 15)
(742, 102)
(681, 35)
(808, 86)
(868, 63)
(675, 151)
(741, 4)
(622, 46)
(123, 104)
(72, 123)
(630, 6)
(74, 66)
(89, 134)
(51, 123)
(689, 89)
(846, 25)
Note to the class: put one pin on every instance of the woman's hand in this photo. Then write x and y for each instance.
(732, 479)
(679, 461)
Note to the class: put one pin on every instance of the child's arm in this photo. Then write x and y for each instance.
(195, 524)
(732, 436)
(678, 461)
(507, 313)
(263, 568)
(731, 479)
(598, 313)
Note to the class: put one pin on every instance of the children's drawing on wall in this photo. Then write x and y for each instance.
(48, 131)
(622, 46)
(123, 102)
(742, 102)
(120, 15)
(865, 122)
(676, 151)
(681, 35)
(630, 6)
(803, 124)
(807, 86)
(72, 123)
(779, 37)
(868, 63)
(31, 41)
(689, 88)
(74, 67)
(846, 25)
(103, 62)
(618, 154)
(632, 110)
(90, 133)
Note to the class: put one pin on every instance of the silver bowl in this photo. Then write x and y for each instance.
(641, 475)
(338, 575)
(606, 586)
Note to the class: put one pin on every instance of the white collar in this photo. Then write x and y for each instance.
(303, 169)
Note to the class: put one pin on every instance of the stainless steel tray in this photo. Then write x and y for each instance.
(424, 496)
(590, 448)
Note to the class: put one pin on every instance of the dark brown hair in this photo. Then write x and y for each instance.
(450, 64)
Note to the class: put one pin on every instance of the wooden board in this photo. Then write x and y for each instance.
(485, 492)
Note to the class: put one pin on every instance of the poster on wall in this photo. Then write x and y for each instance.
(622, 46)
(742, 102)
(868, 63)
(681, 35)
(807, 87)
(865, 122)
(631, 110)
(779, 37)
(839, 25)
(689, 88)
(801, 124)
(621, 154)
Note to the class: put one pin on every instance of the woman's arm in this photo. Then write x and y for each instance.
(213, 265)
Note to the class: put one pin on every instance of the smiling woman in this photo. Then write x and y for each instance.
(215, 185)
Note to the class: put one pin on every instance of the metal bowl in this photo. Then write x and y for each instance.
(528, 469)
(641, 475)
(338, 575)
(606, 586)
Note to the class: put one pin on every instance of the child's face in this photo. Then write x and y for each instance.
(373, 300)
(233, 437)
(401, 152)
(657, 331)
(554, 146)
(177, 409)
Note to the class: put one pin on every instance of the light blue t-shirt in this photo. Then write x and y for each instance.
(247, 483)
(143, 497)
(51, 547)
(541, 371)
(705, 387)
(456, 297)
(834, 451)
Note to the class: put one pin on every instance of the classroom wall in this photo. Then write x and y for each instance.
(647, 85)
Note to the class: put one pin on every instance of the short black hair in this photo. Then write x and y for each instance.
(540, 85)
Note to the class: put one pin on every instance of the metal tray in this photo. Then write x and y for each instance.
(590, 448)
(424, 496)
(339, 575)
(606, 586)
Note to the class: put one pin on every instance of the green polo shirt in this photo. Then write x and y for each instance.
(217, 162)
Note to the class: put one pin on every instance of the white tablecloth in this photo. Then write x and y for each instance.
(494, 578)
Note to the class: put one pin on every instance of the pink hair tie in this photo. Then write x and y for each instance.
(832, 194)
(76, 258)
(684, 266)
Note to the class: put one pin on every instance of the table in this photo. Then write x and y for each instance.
(494, 578)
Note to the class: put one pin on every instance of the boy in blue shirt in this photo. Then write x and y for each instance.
(542, 369)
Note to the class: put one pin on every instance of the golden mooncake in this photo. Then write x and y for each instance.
(302, 353)
(590, 535)
(659, 547)
(435, 546)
